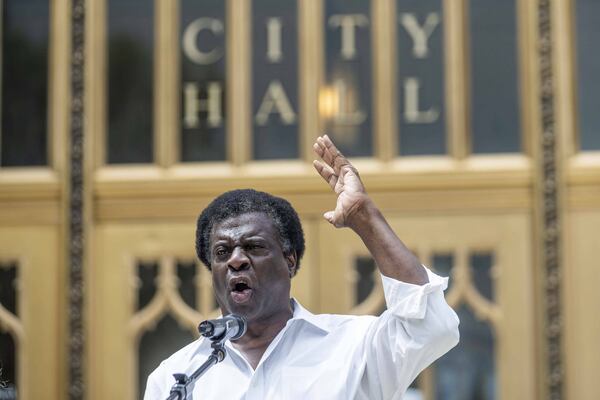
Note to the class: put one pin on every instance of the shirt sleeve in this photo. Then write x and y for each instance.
(417, 328)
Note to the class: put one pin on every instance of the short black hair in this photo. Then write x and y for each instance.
(242, 201)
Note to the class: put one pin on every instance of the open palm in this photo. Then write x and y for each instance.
(343, 178)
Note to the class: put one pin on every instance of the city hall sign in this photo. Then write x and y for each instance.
(347, 65)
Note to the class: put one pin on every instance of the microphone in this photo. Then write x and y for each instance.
(228, 327)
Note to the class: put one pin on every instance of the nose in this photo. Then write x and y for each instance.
(238, 260)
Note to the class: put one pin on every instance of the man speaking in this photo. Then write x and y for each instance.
(253, 243)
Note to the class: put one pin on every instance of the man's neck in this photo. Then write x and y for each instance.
(260, 334)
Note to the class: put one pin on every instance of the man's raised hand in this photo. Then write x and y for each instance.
(343, 178)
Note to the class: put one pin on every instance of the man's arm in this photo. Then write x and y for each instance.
(356, 210)
(418, 325)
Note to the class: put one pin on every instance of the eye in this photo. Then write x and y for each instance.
(252, 246)
(220, 251)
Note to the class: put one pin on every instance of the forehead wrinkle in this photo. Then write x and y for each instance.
(243, 227)
(236, 234)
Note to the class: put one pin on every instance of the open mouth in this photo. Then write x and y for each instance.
(241, 291)
(240, 287)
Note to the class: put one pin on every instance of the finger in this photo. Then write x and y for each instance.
(318, 149)
(326, 153)
(329, 217)
(323, 151)
(337, 159)
(326, 173)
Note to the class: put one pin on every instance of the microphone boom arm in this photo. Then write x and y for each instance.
(230, 327)
(183, 387)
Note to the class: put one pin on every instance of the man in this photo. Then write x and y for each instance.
(252, 242)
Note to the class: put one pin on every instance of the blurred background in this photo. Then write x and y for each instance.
(475, 125)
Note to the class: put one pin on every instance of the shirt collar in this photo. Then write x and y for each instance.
(301, 313)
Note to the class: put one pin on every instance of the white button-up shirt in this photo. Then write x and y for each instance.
(329, 356)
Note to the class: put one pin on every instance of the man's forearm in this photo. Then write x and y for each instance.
(393, 258)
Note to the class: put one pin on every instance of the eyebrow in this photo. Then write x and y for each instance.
(253, 238)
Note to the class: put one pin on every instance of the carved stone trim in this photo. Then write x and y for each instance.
(167, 299)
(465, 292)
(551, 224)
(76, 231)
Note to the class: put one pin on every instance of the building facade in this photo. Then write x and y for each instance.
(475, 125)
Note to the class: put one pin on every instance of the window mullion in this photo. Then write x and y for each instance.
(96, 80)
(166, 101)
(238, 74)
(310, 14)
(456, 72)
(384, 104)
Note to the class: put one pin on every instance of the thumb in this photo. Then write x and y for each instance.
(329, 216)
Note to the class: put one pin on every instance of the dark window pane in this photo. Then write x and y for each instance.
(467, 372)
(147, 275)
(420, 77)
(8, 358)
(8, 288)
(494, 80)
(130, 81)
(202, 39)
(24, 101)
(588, 69)
(365, 278)
(481, 270)
(275, 79)
(186, 272)
(8, 366)
(345, 103)
(158, 344)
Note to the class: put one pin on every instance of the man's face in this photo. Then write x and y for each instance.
(250, 273)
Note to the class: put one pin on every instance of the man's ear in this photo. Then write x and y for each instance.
(292, 262)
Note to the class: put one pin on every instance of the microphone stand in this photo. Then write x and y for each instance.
(183, 387)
